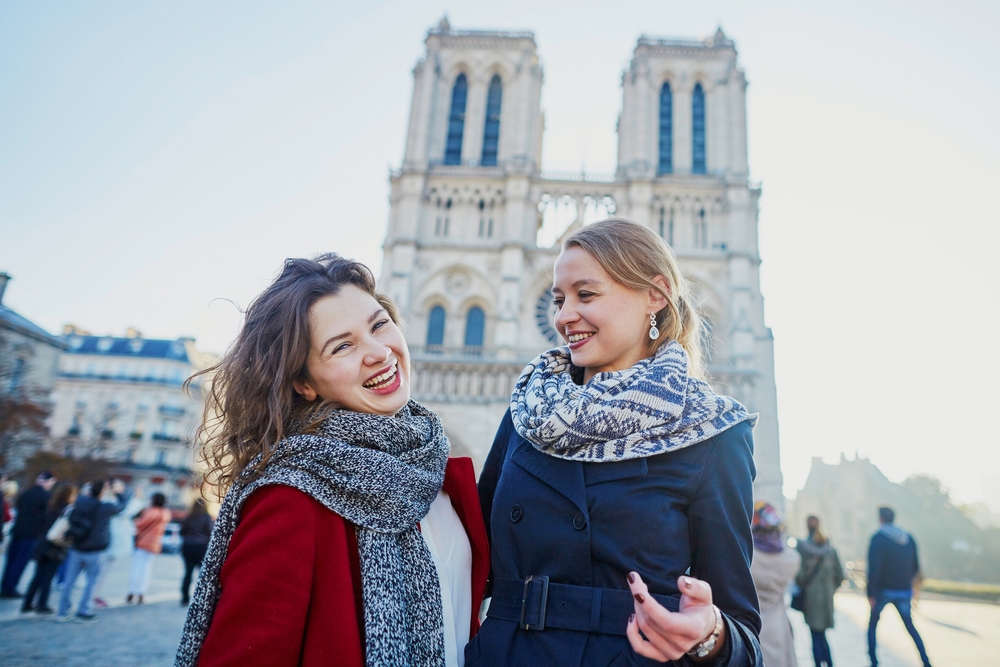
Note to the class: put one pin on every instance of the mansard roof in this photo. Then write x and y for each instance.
(136, 347)
(11, 320)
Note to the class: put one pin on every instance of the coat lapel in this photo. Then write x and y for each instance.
(564, 476)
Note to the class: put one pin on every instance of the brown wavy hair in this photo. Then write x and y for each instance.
(633, 255)
(250, 404)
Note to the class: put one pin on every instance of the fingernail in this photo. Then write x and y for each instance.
(631, 577)
(639, 598)
(688, 583)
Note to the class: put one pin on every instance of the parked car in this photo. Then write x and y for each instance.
(172, 538)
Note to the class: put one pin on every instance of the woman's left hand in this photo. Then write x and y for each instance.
(671, 634)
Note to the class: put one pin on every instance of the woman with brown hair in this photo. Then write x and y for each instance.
(346, 534)
(819, 577)
(618, 491)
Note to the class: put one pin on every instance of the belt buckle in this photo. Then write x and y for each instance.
(544, 580)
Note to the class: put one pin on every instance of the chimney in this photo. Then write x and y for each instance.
(4, 277)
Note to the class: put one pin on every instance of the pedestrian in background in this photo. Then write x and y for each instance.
(90, 528)
(29, 527)
(195, 532)
(892, 568)
(49, 555)
(8, 491)
(149, 528)
(122, 541)
(773, 569)
(820, 575)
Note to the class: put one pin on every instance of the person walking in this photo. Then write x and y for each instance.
(91, 532)
(773, 569)
(347, 534)
(49, 555)
(819, 577)
(149, 528)
(29, 527)
(892, 568)
(122, 532)
(196, 530)
(619, 488)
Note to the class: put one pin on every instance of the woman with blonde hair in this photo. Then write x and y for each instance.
(618, 491)
(347, 535)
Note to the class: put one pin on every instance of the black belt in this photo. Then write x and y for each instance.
(536, 604)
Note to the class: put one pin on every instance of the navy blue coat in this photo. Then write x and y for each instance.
(590, 524)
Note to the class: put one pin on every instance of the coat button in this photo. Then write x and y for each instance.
(516, 513)
(579, 521)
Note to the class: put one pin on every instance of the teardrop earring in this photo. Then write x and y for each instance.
(654, 333)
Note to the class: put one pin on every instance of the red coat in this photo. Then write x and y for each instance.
(291, 583)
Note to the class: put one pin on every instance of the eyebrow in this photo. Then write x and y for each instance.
(579, 283)
(345, 335)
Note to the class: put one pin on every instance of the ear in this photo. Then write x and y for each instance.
(304, 390)
(657, 301)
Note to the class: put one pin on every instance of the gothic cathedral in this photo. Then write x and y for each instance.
(470, 241)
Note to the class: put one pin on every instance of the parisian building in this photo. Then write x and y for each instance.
(122, 399)
(474, 223)
(29, 360)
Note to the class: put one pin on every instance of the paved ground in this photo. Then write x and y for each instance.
(957, 633)
(125, 635)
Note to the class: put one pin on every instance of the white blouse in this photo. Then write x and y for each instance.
(448, 542)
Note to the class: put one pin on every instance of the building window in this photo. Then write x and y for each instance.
(16, 374)
(161, 457)
(666, 165)
(435, 329)
(475, 325)
(698, 130)
(491, 135)
(667, 225)
(456, 121)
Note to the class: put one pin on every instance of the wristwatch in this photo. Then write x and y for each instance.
(707, 646)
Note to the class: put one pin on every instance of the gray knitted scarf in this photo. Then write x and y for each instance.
(652, 407)
(381, 474)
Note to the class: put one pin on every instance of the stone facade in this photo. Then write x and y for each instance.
(122, 399)
(845, 497)
(29, 357)
(468, 235)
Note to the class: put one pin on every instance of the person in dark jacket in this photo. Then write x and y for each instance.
(195, 532)
(618, 491)
(29, 527)
(48, 554)
(892, 567)
(90, 527)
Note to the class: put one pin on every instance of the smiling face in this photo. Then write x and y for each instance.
(605, 323)
(358, 357)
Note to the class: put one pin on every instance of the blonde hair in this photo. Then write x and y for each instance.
(633, 256)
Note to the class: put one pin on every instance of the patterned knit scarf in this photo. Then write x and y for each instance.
(651, 408)
(381, 474)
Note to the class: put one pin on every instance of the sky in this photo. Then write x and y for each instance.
(158, 161)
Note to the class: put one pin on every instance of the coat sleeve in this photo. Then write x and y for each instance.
(719, 514)
(490, 475)
(267, 583)
(874, 564)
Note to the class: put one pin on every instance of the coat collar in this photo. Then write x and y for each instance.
(564, 476)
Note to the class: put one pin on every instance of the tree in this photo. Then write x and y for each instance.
(952, 546)
(24, 408)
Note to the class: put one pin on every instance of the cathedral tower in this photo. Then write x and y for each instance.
(464, 257)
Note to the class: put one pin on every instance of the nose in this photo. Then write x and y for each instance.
(376, 352)
(566, 315)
